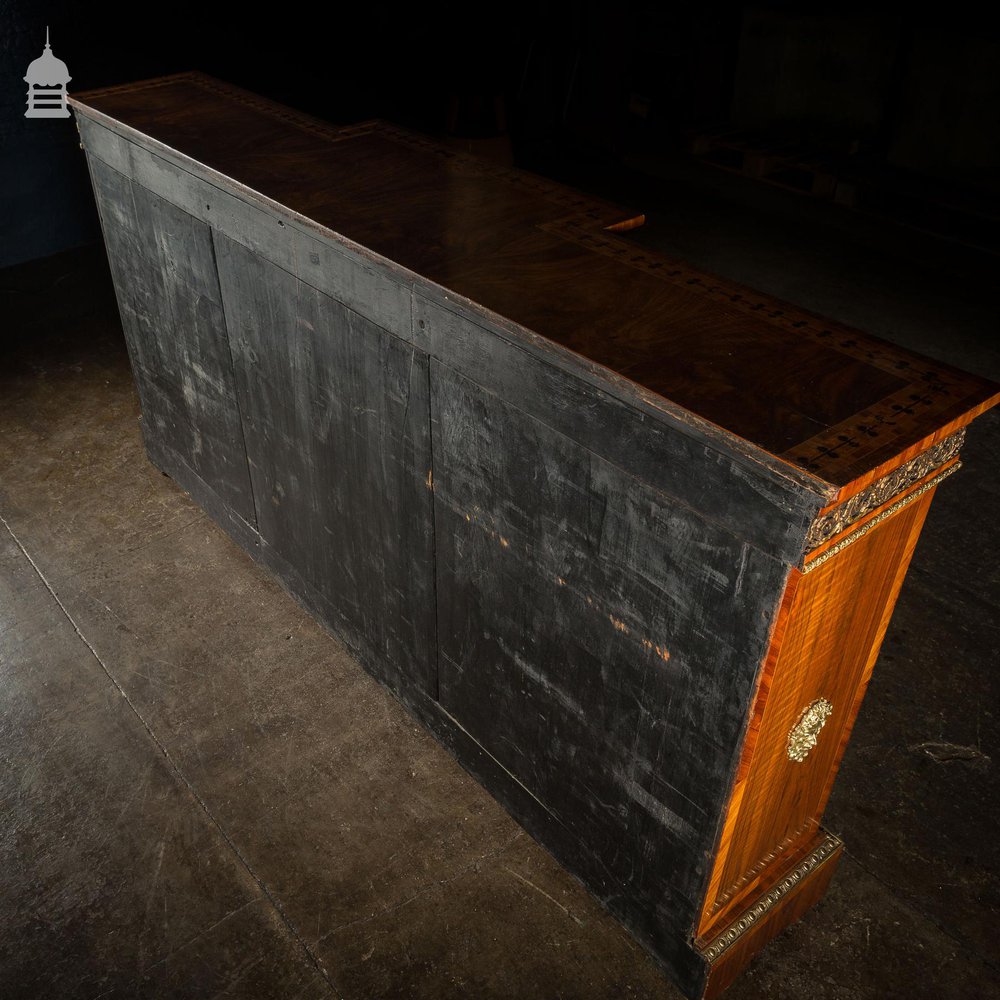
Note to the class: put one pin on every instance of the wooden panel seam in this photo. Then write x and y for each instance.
(436, 645)
(239, 406)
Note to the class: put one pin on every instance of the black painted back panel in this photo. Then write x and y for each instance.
(171, 308)
(336, 419)
(587, 589)
(600, 640)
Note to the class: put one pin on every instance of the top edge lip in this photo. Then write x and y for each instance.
(830, 489)
(636, 395)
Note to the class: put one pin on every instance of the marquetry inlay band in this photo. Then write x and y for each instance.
(927, 388)
(878, 519)
(870, 350)
(766, 903)
(882, 490)
(805, 733)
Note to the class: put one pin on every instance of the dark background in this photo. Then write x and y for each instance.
(909, 100)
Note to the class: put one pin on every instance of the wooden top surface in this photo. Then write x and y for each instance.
(838, 404)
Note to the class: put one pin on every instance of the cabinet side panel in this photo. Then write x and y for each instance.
(601, 642)
(164, 272)
(337, 424)
(805, 707)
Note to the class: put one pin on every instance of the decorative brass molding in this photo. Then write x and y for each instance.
(804, 734)
(878, 519)
(756, 868)
(766, 903)
(883, 490)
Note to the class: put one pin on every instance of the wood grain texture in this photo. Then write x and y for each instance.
(726, 486)
(371, 285)
(827, 399)
(337, 422)
(833, 622)
(329, 266)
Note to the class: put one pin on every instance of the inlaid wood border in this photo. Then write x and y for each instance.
(929, 387)
(728, 953)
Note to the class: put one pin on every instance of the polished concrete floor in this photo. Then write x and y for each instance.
(202, 795)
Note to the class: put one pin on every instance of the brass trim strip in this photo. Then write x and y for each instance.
(883, 490)
(756, 868)
(766, 903)
(878, 519)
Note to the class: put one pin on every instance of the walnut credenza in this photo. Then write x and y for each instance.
(625, 536)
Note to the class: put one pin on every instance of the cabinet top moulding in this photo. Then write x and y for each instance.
(820, 406)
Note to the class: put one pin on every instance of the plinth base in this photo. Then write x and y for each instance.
(728, 952)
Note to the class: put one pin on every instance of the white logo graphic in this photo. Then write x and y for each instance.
(47, 78)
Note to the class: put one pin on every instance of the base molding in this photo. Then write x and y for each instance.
(727, 953)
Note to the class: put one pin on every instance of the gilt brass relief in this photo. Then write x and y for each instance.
(763, 906)
(883, 490)
(860, 533)
(805, 733)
